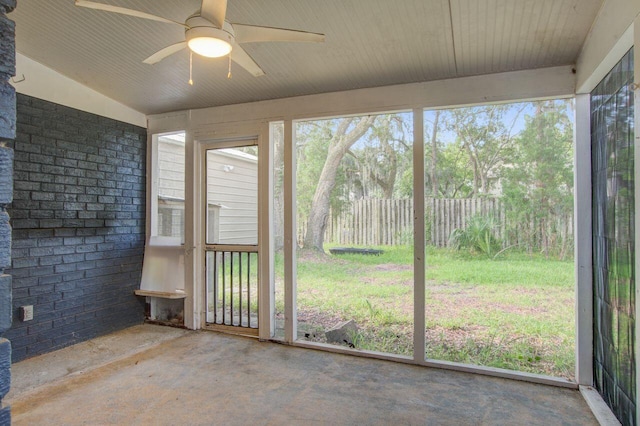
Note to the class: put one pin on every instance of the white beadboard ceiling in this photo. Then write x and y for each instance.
(368, 43)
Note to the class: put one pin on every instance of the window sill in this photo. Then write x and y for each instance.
(161, 294)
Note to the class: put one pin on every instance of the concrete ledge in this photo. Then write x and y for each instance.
(443, 365)
(44, 370)
(598, 407)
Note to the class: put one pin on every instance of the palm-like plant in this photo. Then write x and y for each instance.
(478, 236)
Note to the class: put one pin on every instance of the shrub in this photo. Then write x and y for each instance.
(478, 237)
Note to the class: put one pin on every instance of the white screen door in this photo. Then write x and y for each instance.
(231, 236)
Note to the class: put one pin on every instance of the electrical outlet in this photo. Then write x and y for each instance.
(26, 312)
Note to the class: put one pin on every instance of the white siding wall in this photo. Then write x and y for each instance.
(171, 167)
(232, 182)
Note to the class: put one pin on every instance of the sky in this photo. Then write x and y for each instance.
(449, 136)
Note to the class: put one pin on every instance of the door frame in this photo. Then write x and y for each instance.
(232, 138)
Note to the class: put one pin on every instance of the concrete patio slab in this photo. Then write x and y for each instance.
(210, 378)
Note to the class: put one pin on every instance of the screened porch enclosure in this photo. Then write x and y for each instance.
(499, 283)
(441, 183)
(613, 240)
(456, 251)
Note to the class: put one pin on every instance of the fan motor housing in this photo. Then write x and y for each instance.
(200, 27)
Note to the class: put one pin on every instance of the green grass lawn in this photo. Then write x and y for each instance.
(515, 312)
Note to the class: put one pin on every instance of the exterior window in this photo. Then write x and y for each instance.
(167, 202)
(170, 218)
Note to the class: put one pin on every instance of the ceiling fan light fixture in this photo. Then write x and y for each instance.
(208, 33)
(206, 40)
(209, 47)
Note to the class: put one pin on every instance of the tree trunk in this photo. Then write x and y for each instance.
(484, 186)
(476, 172)
(341, 141)
(387, 183)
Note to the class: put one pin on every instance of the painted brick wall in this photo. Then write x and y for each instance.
(78, 217)
(7, 134)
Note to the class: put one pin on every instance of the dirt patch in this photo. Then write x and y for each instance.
(520, 310)
(453, 301)
(314, 256)
(318, 318)
(455, 337)
(391, 267)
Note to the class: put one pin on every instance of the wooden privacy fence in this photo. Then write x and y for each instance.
(372, 222)
(445, 215)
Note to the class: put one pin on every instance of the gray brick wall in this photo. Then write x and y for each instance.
(7, 134)
(78, 218)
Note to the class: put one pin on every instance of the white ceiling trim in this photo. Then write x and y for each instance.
(610, 37)
(35, 79)
(513, 86)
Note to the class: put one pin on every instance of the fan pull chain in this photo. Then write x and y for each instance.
(190, 68)
(229, 75)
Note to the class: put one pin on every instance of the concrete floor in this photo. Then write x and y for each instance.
(159, 375)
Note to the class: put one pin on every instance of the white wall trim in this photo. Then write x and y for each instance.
(266, 293)
(598, 407)
(290, 241)
(610, 37)
(419, 261)
(545, 83)
(585, 84)
(583, 241)
(36, 80)
(443, 365)
(269, 244)
(192, 197)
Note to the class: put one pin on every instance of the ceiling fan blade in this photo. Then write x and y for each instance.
(242, 58)
(214, 11)
(124, 11)
(163, 53)
(252, 33)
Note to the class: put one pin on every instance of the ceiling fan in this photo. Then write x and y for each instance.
(209, 34)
